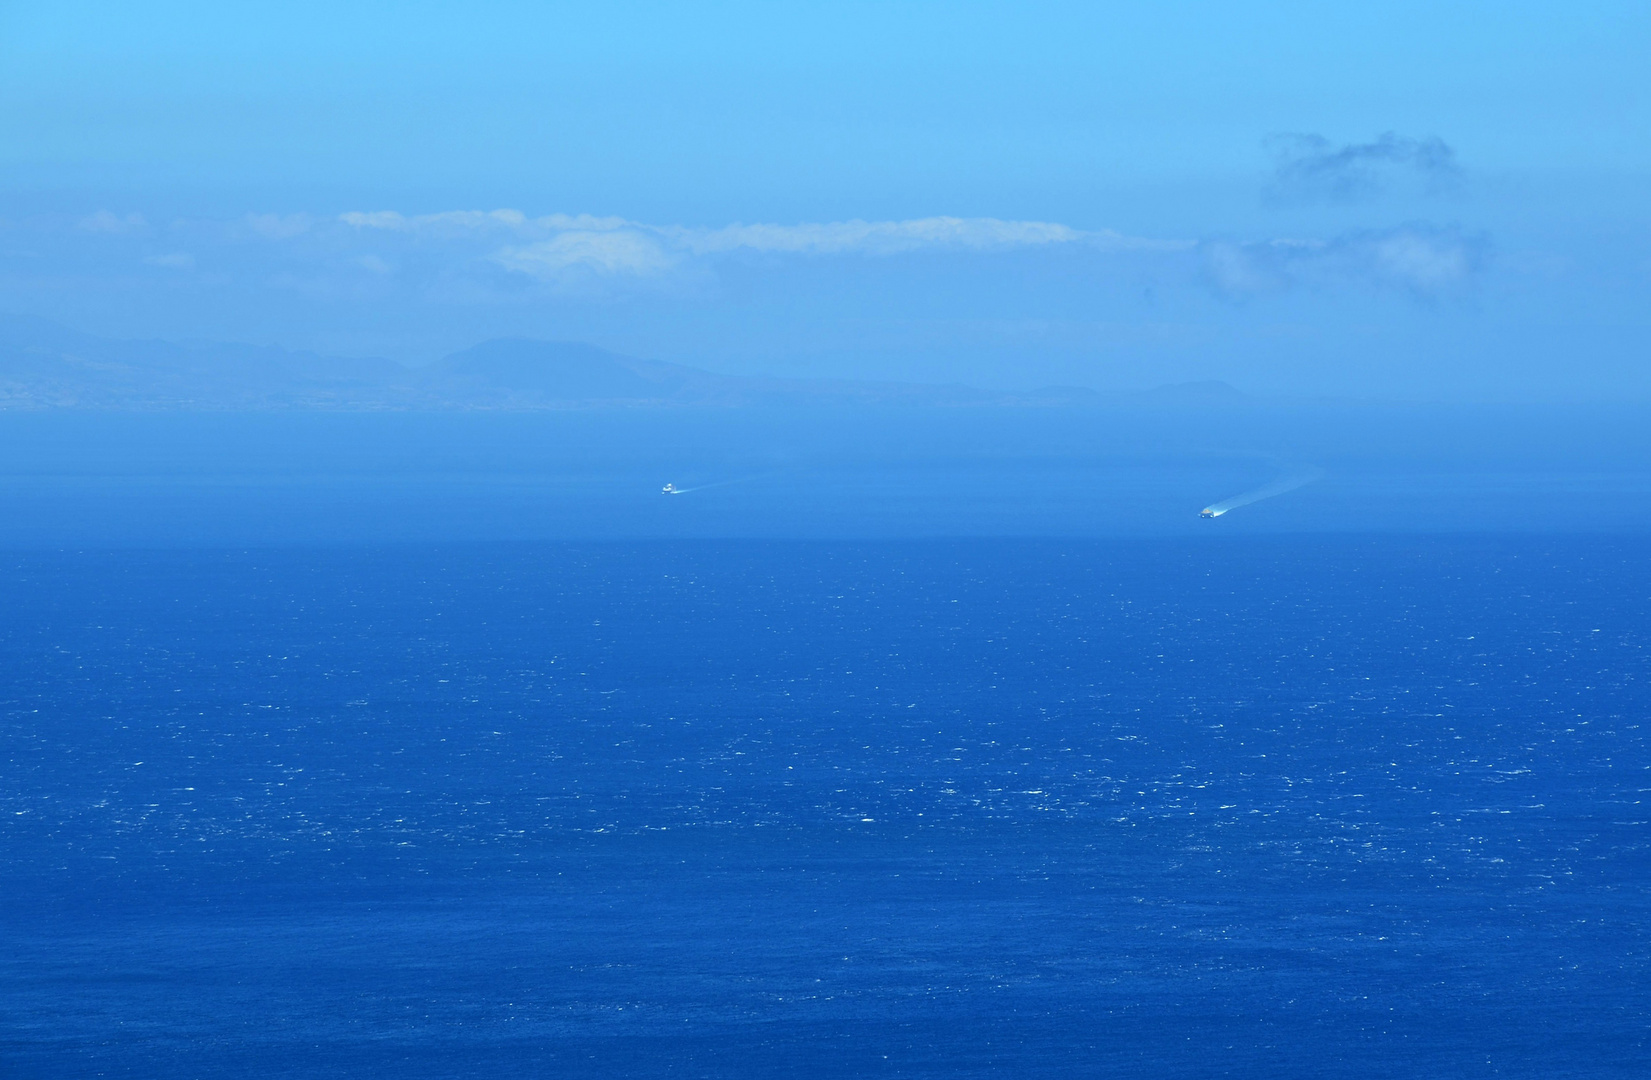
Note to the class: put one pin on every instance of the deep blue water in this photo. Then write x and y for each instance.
(1177, 807)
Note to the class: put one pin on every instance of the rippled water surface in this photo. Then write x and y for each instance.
(1264, 807)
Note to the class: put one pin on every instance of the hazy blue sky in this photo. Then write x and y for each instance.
(1404, 199)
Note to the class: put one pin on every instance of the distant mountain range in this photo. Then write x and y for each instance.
(46, 366)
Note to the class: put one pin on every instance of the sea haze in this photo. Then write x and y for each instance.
(742, 540)
(145, 442)
(911, 735)
(1216, 806)
(47, 366)
(82, 478)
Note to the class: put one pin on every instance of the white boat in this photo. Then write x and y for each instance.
(668, 489)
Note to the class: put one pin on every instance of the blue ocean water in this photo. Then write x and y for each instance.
(1222, 806)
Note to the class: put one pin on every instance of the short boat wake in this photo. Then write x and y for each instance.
(1288, 482)
(672, 489)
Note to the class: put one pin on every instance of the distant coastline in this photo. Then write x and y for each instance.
(46, 366)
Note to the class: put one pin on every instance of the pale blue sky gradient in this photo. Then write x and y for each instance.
(184, 170)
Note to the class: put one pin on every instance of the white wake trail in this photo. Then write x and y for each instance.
(1287, 482)
(672, 489)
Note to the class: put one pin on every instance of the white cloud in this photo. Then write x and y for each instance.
(554, 244)
(879, 237)
(579, 250)
(1423, 260)
(610, 253)
(1237, 271)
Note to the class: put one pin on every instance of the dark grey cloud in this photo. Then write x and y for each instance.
(1424, 260)
(1311, 167)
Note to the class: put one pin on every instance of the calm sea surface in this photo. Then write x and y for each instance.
(1248, 807)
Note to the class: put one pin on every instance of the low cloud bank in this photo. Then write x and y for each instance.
(498, 255)
(1424, 260)
(551, 246)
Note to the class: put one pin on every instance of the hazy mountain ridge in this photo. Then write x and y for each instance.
(45, 366)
